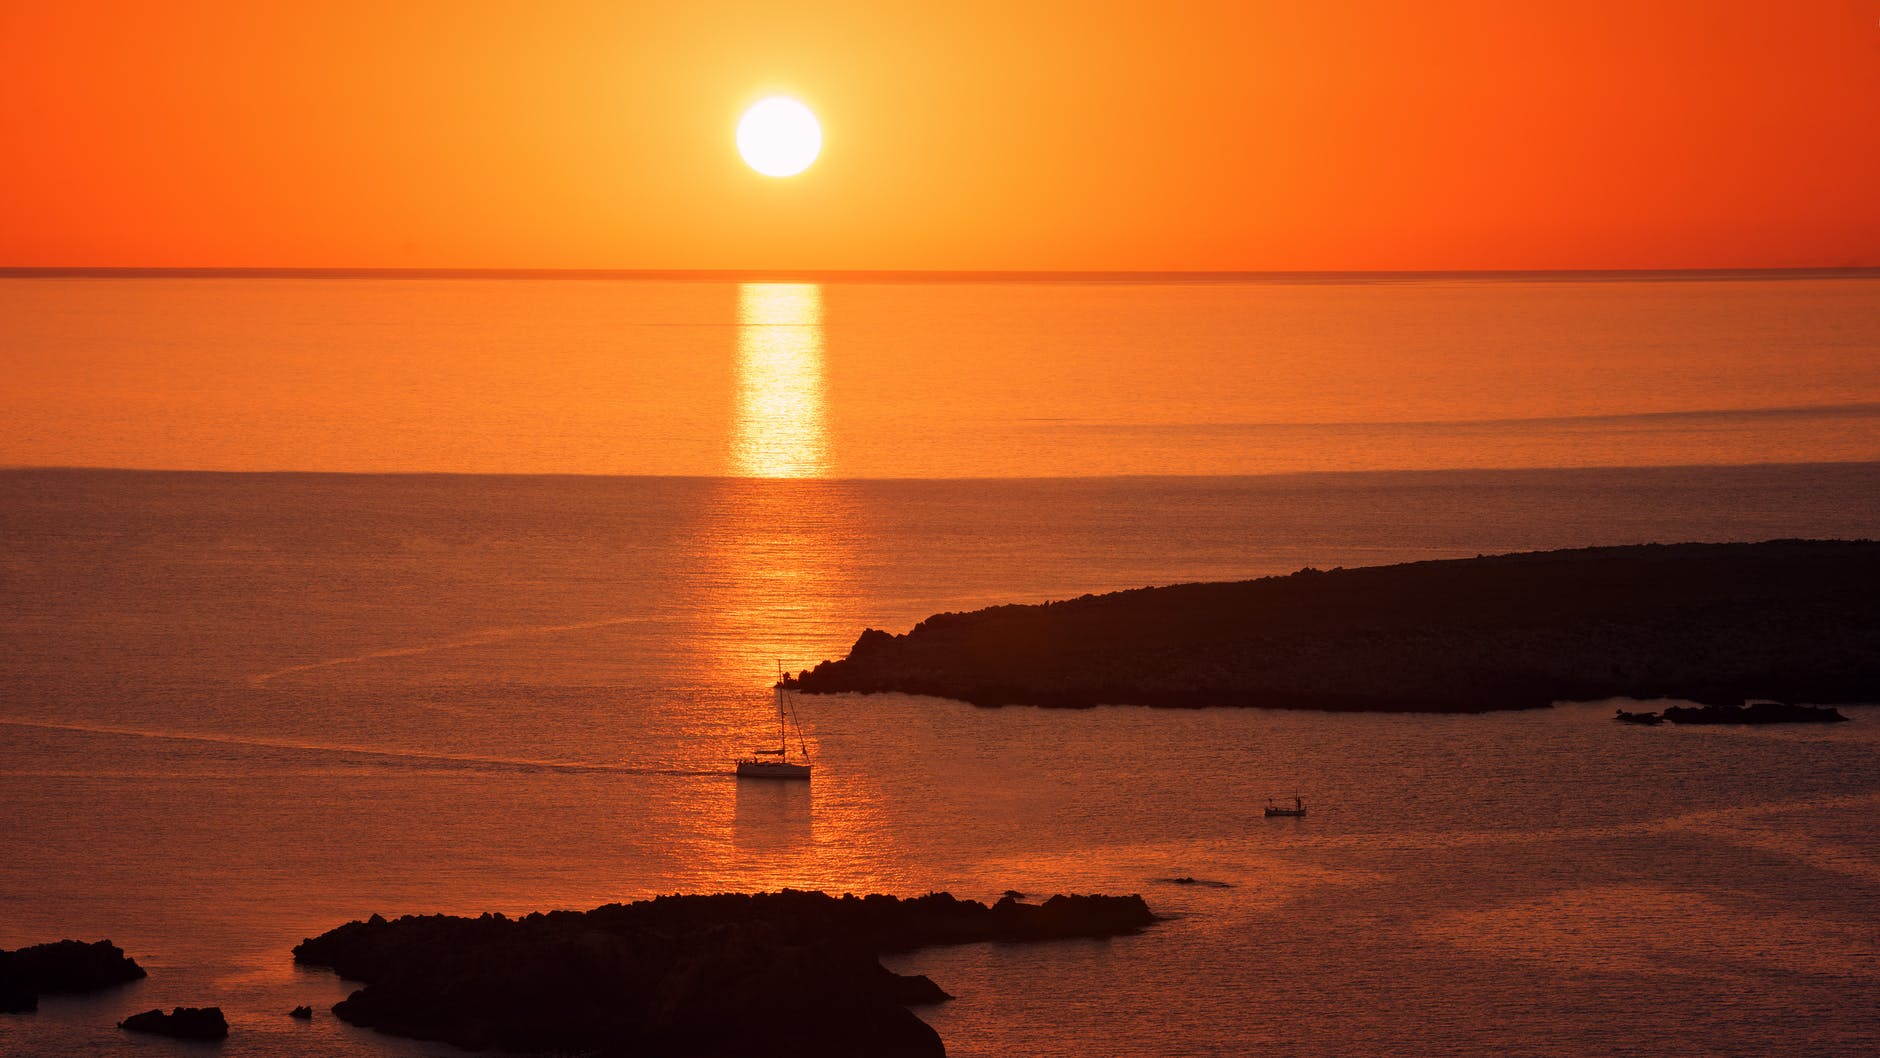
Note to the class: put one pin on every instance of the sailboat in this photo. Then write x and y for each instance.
(1297, 811)
(776, 763)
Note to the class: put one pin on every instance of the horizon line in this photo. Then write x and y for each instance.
(82, 468)
(891, 275)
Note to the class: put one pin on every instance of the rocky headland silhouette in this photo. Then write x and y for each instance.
(787, 973)
(66, 966)
(1797, 620)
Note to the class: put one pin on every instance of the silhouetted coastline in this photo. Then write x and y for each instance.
(787, 973)
(1711, 623)
(66, 966)
(1754, 713)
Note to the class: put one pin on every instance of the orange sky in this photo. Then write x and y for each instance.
(1007, 135)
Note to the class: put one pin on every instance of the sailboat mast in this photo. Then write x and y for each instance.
(783, 733)
(783, 725)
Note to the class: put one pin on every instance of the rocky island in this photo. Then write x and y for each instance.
(789, 973)
(1797, 620)
(182, 1023)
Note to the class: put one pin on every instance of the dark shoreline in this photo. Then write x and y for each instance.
(1796, 620)
(66, 967)
(788, 973)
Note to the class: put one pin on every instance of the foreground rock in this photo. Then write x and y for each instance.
(789, 973)
(64, 966)
(1721, 623)
(183, 1023)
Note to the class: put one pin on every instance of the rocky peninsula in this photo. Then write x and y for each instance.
(1797, 620)
(788, 973)
(66, 966)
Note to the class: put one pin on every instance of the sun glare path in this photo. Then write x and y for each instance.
(779, 431)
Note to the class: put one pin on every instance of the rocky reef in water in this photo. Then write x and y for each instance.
(790, 973)
(183, 1023)
(69, 966)
(1712, 623)
(1754, 713)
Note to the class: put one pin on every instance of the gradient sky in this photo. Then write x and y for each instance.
(966, 135)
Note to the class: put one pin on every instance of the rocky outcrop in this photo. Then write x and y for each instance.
(63, 966)
(1716, 623)
(183, 1023)
(1754, 713)
(789, 973)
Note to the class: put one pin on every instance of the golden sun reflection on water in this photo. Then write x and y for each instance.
(780, 561)
(779, 428)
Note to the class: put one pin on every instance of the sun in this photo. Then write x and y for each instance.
(779, 137)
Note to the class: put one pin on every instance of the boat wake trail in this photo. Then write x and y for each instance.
(485, 637)
(378, 754)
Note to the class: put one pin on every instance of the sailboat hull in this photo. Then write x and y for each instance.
(771, 769)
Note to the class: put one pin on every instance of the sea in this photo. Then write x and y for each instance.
(326, 597)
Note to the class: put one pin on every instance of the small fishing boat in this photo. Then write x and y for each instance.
(1297, 811)
(769, 763)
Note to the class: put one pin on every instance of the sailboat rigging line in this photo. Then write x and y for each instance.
(800, 744)
(790, 701)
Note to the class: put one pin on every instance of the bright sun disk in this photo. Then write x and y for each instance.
(779, 137)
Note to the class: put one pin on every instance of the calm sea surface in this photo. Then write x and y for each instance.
(237, 709)
(912, 380)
